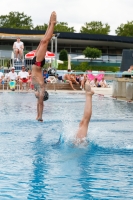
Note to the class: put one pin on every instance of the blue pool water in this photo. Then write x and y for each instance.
(34, 166)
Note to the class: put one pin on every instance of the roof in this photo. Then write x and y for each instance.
(66, 35)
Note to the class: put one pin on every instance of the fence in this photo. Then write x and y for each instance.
(7, 60)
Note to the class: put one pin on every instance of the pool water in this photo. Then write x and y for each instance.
(33, 165)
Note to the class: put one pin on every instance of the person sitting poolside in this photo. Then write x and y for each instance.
(12, 78)
(103, 83)
(12, 75)
(23, 77)
(6, 79)
(45, 75)
(31, 86)
(1, 77)
(70, 79)
(130, 69)
(73, 78)
(95, 83)
(82, 80)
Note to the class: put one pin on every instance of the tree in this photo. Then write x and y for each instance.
(59, 27)
(125, 29)
(92, 53)
(63, 27)
(95, 27)
(16, 20)
(41, 27)
(63, 55)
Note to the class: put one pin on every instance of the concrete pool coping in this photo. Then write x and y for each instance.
(102, 91)
(106, 92)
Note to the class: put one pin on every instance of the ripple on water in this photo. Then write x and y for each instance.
(34, 165)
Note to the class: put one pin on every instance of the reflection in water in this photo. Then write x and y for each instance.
(37, 182)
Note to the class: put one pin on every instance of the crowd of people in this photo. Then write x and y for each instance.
(23, 77)
(70, 77)
(81, 79)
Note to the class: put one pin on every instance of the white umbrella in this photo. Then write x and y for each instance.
(82, 57)
(69, 62)
(31, 54)
(58, 61)
(79, 57)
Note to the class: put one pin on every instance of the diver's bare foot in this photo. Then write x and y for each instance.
(87, 86)
(53, 19)
(37, 118)
(90, 93)
(40, 120)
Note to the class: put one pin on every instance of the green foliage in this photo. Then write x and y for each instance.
(95, 27)
(41, 27)
(83, 66)
(92, 53)
(16, 20)
(125, 29)
(63, 27)
(104, 68)
(59, 27)
(63, 66)
(63, 55)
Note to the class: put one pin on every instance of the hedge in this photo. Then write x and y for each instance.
(83, 66)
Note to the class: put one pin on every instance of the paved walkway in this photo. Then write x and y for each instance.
(107, 92)
(102, 91)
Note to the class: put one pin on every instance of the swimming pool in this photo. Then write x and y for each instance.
(34, 166)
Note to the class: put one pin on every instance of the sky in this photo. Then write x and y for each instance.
(75, 12)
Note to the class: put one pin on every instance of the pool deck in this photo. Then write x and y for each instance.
(100, 91)
(106, 92)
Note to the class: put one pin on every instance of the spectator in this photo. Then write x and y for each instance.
(103, 83)
(45, 75)
(18, 48)
(67, 78)
(82, 80)
(73, 78)
(1, 77)
(77, 78)
(95, 83)
(23, 77)
(130, 69)
(30, 80)
(6, 77)
(12, 75)
(51, 71)
(12, 78)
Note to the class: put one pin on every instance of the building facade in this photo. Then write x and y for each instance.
(74, 43)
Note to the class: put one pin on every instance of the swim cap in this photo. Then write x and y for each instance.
(46, 96)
